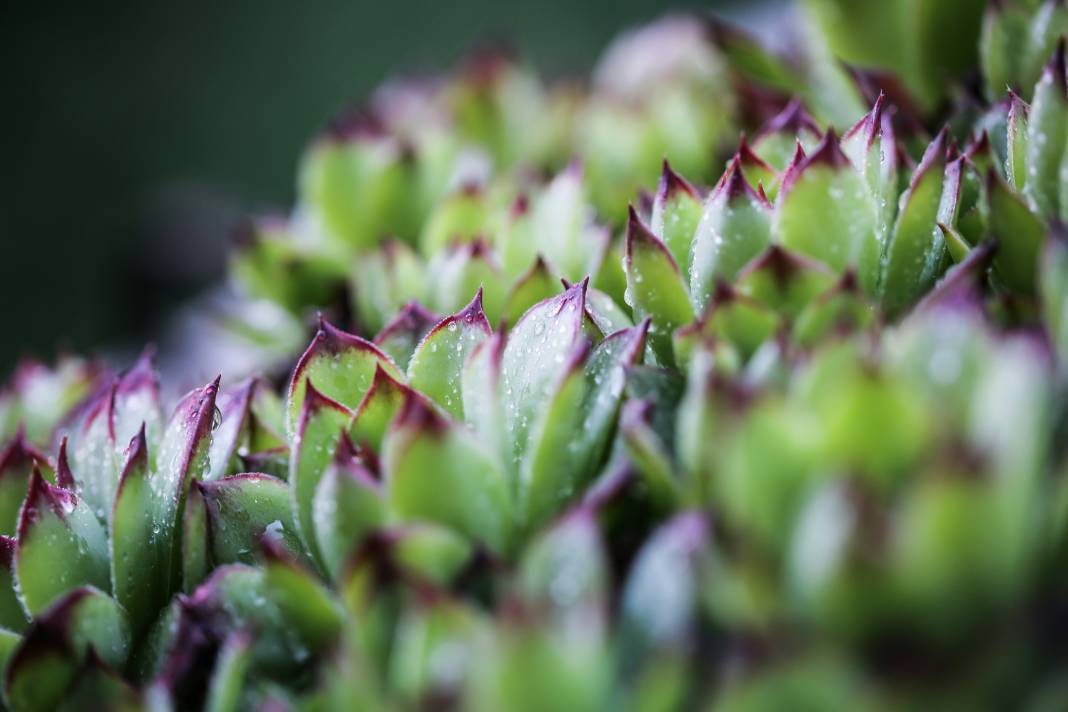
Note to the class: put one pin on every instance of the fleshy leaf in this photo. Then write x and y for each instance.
(461, 216)
(1004, 34)
(242, 510)
(140, 561)
(734, 228)
(355, 183)
(437, 364)
(649, 453)
(571, 552)
(388, 278)
(348, 504)
(1016, 142)
(196, 541)
(826, 190)
(61, 546)
(137, 401)
(661, 593)
(778, 139)
(1054, 291)
(463, 270)
(12, 614)
(1020, 234)
(739, 320)
(655, 287)
(307, 608)
(17, 461)
(83, 622)
(1047, 140)
(676, 212)
(234, 406)
(145, 536)
(400, 336)
(435, 470)
(783, 281)
(570, 436)
(916, 253)
(228, 678)
(533, 356)
(483, 400)
(342, 366)
(321, 424)
(535, 285)
(562, 223)
(381, 402)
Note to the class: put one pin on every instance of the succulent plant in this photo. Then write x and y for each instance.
(566, 437)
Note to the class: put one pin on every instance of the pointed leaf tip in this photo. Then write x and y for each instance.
(416, 413)
(793, 119)
(64, 476)
(828, 152)
(671, 183)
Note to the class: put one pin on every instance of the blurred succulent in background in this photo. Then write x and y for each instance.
(566, 437)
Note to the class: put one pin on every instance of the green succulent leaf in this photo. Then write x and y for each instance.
(234, 413)
(461, 216)
(304, 604)
(242, 510)
(348, 504)
(735, 227)
(463, 270)
(1020, 234)
(569, 439)
(376, 411)
(146, 553)
(562, 223)
(480, 384)
(676, 212)
(12, 614)
(436, 471)
(140, 555)
(322, 422)
(531, 362)
(197, 560)
(17, 462)
(535, 285)
(229, 678)
(1049, 26)
(655, 286)
(387, 278)
(1054, 290)
(342, 366)
(1017, 132)
(83, 623)
(826, 190)
(786, 133)
(400, 337)
(660, 595)
(649, 453)
(437, 364)
(355, 182)
(917, 250)
(61, 546)
(569, 556)
(1047, 139)
(1004, 33)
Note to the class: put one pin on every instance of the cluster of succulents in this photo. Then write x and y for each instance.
(587, 441)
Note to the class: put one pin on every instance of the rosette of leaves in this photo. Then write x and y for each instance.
(739, 456)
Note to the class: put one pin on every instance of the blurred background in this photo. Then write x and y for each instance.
(137, 134)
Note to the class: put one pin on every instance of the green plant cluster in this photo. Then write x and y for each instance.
(796, 441)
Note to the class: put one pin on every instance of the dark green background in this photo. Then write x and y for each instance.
(135, 134)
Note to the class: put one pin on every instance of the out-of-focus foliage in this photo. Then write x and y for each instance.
(792, 441)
